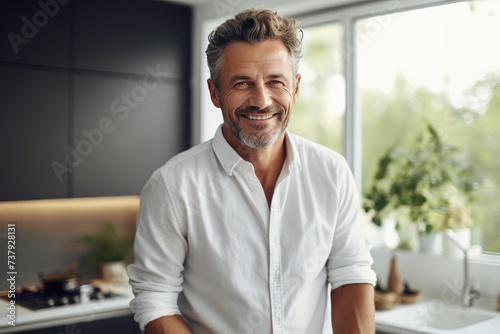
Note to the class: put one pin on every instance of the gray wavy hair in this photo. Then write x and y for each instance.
(254, 25)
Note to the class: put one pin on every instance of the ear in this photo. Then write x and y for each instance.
(214, 93)
(297, 85)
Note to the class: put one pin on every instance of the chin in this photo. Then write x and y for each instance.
(265, 141)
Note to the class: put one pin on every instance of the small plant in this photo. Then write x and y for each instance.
(431, 184)
(108, 246)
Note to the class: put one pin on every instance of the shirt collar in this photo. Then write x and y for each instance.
(229, 159)
(227, 156)
(292, 156)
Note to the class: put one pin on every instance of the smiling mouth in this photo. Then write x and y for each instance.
(258, 118)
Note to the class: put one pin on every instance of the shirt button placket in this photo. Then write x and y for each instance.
(252, 178)
(275, 270)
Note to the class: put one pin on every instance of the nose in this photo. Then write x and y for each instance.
(260, 97)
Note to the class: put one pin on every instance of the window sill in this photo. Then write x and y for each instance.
(484, 258)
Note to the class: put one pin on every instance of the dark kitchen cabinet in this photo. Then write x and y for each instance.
(115, 40)
(35, 32)
(123, 131)
(119, 70)
(33, 133)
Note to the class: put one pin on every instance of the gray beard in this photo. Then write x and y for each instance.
(256, 141)
(253, 141)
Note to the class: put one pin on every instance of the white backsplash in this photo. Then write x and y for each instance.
(440, 277)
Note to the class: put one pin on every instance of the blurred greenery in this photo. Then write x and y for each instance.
(432, 181)
(108, 245)
(396, 118)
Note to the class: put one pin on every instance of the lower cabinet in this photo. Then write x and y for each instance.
(122, 325)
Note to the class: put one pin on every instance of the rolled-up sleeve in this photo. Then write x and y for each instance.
(350, 259)
(160, 248)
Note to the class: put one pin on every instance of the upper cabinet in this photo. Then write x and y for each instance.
(95, 95)
(129, 36)
(121, 142)
(35, 32)
(33, 132)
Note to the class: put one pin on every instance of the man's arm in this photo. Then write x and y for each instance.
(160, 248)
(172, 324)
(353, 309)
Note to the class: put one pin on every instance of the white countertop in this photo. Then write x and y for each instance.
(414, 318)
(27, 319)
(401, 318)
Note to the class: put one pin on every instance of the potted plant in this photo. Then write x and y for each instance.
(429, 186)
(110, 250)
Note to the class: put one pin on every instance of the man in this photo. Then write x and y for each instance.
(249, 232)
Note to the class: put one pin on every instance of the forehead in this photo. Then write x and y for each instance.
(267, 56)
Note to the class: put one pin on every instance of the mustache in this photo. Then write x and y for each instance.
(256, 110)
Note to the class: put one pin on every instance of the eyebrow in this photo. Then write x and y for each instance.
(277, 76)
(237, 77)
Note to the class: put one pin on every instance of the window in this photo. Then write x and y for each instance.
(398, 69)
(436, 65)
(319, 111)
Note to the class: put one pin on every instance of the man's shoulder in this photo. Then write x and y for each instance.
(190, 158)
(308, 149)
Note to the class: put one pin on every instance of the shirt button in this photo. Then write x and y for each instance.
(256, 186)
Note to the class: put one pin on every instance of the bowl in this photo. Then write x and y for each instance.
(385, 300)
(409, 298)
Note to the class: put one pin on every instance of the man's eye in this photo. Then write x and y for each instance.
(276, 82)
(242, 84)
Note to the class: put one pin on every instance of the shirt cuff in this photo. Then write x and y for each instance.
(351, 275)
(149, 306)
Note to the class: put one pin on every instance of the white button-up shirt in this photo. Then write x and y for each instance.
(209, 247)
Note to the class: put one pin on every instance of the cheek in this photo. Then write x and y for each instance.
(232, 97)
(232, 101)
(288, 94)
(286, 99)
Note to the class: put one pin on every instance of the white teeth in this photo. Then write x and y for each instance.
(258, 117)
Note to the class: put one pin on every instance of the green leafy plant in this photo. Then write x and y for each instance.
(431, 183)
(108, 246)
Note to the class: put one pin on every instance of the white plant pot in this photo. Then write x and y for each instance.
(114, 273)
(451, 250)
(431, 243)
(390, 236)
